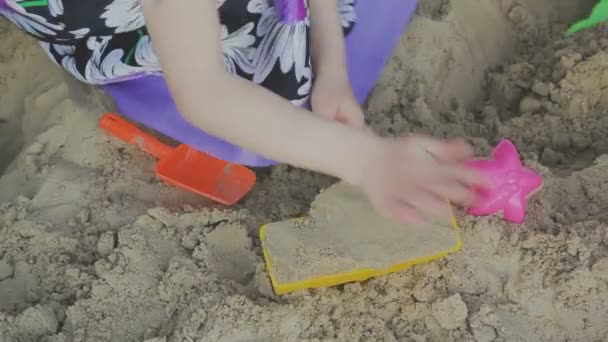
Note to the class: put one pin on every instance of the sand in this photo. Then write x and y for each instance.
(94, 248)
(343, 233)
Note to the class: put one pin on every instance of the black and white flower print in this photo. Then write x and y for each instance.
(279, 42)
(32, 23)
(124, 15)
(238, 48)
(346, 8)
(56, 8)
(107, 41)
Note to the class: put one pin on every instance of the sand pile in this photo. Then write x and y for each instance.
(93, 248)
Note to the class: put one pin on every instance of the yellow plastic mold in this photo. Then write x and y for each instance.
(357, 275)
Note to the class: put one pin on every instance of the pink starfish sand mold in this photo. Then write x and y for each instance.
(512, 184)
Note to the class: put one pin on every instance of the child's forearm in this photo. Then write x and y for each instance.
(327, 40)
(253, 117)
(238, 110)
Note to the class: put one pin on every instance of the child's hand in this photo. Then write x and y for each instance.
(334, 100)
(412, 178)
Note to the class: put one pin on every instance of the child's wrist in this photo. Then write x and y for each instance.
(360, 157)
(332, 81)
(332, 71)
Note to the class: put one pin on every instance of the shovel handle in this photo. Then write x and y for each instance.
(129, 133)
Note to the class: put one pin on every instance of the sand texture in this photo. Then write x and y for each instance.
(344, 233)
(94, 248)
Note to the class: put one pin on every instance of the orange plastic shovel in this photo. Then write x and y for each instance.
(184, 166)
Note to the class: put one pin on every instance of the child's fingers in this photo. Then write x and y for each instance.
(455, 192)
(464, 175)
(430, 205)
(351, 114)
(451, 151)
(444, 151)
(401, 211)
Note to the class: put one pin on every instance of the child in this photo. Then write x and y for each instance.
(236, 71)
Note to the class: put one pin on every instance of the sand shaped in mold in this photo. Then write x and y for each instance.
(345, 240)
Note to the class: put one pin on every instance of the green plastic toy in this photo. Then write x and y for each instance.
(599, 14)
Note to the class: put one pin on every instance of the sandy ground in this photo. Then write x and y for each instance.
(93, 248)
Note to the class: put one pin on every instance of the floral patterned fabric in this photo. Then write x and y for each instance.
(104, 41)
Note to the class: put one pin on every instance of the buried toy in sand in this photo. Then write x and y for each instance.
(598, 15)
(345, 240)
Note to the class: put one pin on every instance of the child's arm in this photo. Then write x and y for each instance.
(332, 95)
(403, 178)
(186, 36)
(327, 40)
